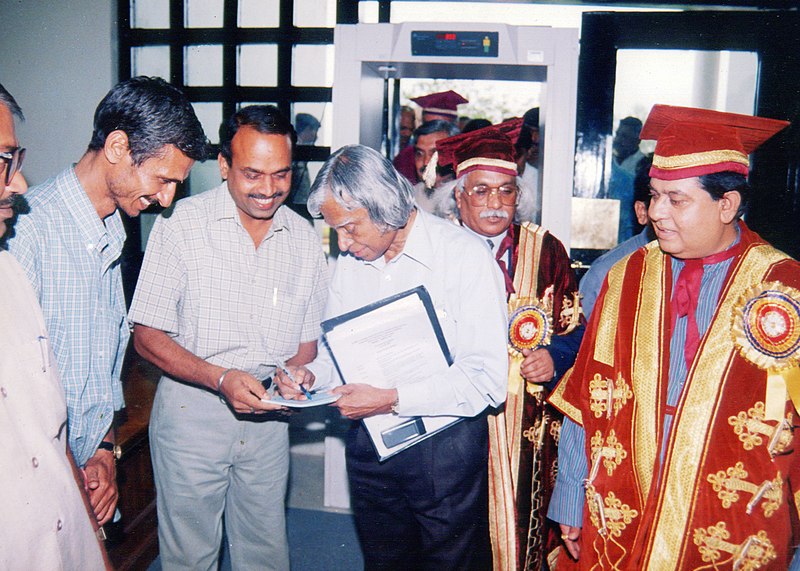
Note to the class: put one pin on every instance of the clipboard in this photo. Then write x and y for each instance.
(397, 331)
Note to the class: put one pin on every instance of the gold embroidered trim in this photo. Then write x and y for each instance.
(486, 162)
(609, 515)
(646, 371)
(752, 431)
(606, 395)
(558, 401)
(700, 159)
(607, 326)
(609, 451)
(571, 312)
(755, 552)
(728, 483)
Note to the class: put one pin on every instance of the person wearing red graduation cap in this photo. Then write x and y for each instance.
(544, 333)
(441, 106)
(680, 437)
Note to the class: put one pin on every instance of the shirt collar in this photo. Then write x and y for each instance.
(225, 209)
(495, 240)
(418, 246)
(96, 232)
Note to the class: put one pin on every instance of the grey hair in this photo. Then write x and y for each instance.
(523, 212)
(8, 100)
(360, 177)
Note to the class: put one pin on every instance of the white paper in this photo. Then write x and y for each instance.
(317, 399)
(386, 347)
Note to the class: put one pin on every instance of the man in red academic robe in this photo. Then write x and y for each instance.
(545, 332)
(681, 427)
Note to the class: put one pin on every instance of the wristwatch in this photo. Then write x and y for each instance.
(113, 448)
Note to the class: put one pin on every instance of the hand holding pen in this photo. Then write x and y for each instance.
(294, 384)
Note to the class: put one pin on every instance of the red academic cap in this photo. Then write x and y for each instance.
(694, 142)
(490, 148)
(443, 103)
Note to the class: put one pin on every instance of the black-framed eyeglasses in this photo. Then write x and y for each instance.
(479, 194)
(13, 162)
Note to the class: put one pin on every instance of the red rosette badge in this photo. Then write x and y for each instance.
(766, 326)
(529, 328)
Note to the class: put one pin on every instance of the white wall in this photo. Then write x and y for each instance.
(58, 59)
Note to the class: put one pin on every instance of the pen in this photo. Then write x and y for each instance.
(282, 366)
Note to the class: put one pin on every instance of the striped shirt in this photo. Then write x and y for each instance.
(566, 505)
(72, 258)
(205, 284)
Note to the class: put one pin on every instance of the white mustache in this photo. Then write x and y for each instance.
(493, 214)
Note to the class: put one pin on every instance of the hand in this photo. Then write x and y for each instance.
(100, 482)
(537, 366)
(291, 390)
(244, 393)
(572, 540)
(360, 401)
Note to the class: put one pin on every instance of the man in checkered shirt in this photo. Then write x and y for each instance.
(232, 284)
(146, 138)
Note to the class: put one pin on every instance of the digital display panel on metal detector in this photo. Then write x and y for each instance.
(454, 44)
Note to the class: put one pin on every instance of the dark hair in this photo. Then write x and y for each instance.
(633, 122)
(475, 124)
(718, 183)
(531, 118)
(303, 121)
(8, 100)
(266, 119)
(641, 180)
(153, 114)
(436, 126)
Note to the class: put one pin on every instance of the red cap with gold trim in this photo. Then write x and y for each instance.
(694, 142)
(442, 103)
(490, 148)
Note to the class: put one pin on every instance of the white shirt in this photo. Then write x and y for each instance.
(468, 294)
(43, 521)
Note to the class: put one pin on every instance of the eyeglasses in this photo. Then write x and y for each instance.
(479, 194)
(13, 162)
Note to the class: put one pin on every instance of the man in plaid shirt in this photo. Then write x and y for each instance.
(232, 286)
(146, 138)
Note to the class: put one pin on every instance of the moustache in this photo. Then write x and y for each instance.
(11, 202)
(493, 214)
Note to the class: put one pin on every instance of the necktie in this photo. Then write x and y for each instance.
(506, 245)
(687, 293)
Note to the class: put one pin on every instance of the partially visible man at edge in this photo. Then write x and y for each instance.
(545, 330)
(46, 521)
(426, 507)
(146, 138)
(681, 442)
